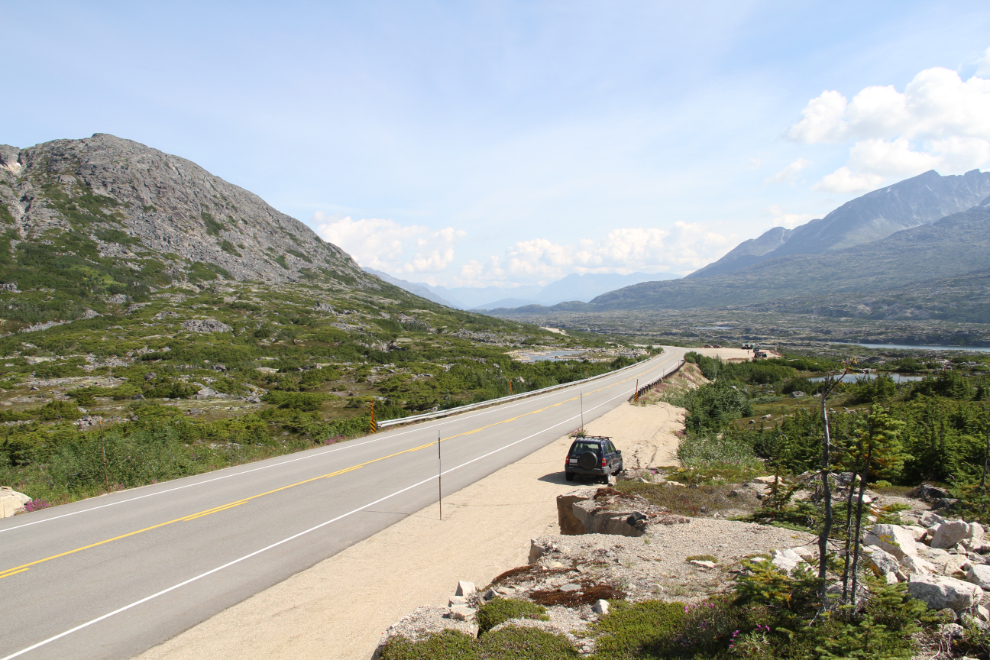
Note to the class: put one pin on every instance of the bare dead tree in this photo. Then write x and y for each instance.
(828, 386)
(859, 510)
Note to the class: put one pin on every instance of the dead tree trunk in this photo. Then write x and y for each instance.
(864, 478)
(826, 492)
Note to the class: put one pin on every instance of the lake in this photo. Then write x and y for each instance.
(977, 349)
(852, 378)
(552, 355)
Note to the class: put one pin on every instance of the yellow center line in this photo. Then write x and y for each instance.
(223, 507)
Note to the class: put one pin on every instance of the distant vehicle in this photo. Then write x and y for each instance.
(593, 456)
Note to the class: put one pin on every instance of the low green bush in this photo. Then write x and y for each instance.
(499, 610)
(55, 410)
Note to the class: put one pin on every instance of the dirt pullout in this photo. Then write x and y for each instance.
(340, 607)
(647, 434)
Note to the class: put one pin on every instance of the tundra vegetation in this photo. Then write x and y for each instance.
(188, 378)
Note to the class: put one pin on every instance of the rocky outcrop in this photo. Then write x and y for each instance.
(608, 511)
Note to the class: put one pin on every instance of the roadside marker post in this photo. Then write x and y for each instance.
(581, 397)
(439, 477)
(636, 395)
(374, 427)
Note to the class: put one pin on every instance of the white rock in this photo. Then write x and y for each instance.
(941, 592)
(456, 600)
(911, 565)
(979, 574)
(461, 613)
(891, 578)
(879, 561)
(11, 501)
(600, 607)
(786, 560)
(919, 533)
(764, 480)
(982, 613)
(465, 588)
(956, 564)
(931, 519)
(702, 563)
(950, 533)
(894, 539)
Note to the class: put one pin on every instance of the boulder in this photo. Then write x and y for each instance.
(956, 565)
(703, 563)
(928, 492)
(979, 574)
(919, 533)
(951, 532)
(911, 565)
(600, 607)
(931, 519)
(786, 560)
(461, 613)
(880, 561)
(944, 592)
(569, 523)
(893, 539)
(11, 501)
(465, 588)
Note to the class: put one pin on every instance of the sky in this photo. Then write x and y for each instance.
(504, 143)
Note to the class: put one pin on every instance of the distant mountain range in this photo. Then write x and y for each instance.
(579, 288)
(917, 201)
(877, 256)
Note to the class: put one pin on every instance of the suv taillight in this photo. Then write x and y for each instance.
(603, 462)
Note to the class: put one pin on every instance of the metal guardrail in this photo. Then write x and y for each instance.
(492, 402)
(656, 381)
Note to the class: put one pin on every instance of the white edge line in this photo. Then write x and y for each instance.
(278, 543)
(349, 445)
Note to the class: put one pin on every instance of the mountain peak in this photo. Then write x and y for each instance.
(130, 202)
(920, 200)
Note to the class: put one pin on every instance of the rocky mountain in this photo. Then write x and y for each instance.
(920, 200)
(86, 221)
(952, 247)
(146, 209)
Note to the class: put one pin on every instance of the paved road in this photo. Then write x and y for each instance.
(113, 576)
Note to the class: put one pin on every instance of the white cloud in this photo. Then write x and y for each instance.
(788, 220)
(386, 245)
(983, 68)
(755, 163)
(822, 120)
(890, 158)
(844, 181)
(938, 122)
(789, 173)
(681, 250)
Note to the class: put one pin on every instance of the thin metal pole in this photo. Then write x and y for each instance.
(439, 477)
(103, 447)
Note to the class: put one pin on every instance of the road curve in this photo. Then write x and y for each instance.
(113, 576)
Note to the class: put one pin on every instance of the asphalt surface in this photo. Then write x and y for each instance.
(115, 575)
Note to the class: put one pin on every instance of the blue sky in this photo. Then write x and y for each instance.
(504, 143)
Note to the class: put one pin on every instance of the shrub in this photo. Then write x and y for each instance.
(518, 643)
(55, 410)
(628, 628)
(447, 645)
(502, 609)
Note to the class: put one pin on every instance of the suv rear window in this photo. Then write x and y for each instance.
(580, 447)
